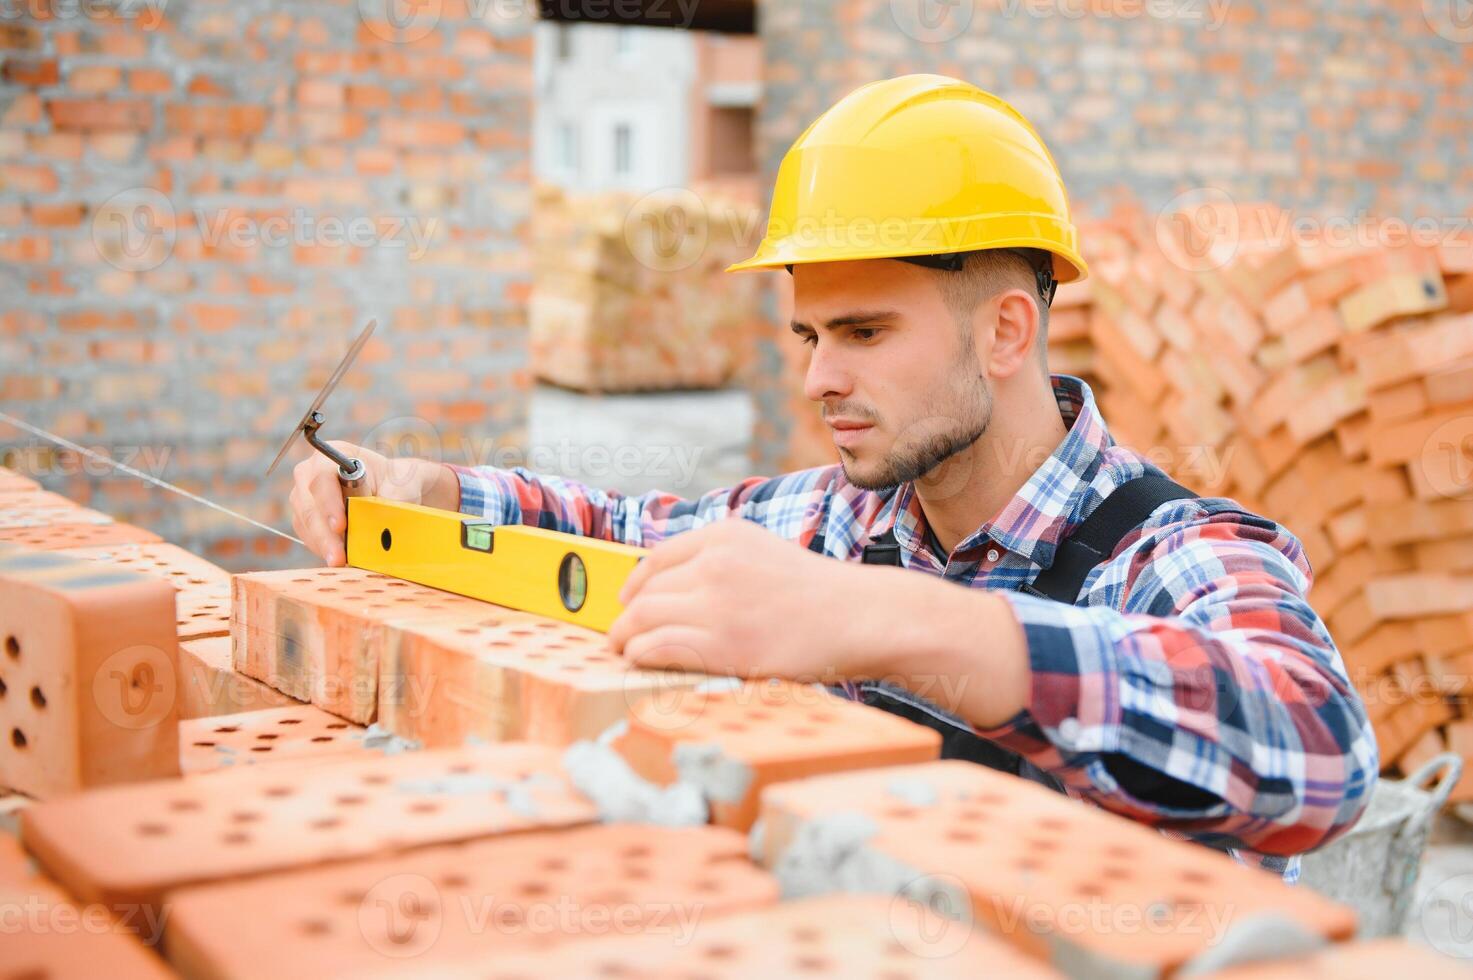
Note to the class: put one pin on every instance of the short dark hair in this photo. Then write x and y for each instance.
(984, 274)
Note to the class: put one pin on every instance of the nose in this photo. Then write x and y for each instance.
(827, 376)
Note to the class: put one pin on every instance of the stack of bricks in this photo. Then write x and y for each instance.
(629, 290)
(290, 839)
(1328, 386)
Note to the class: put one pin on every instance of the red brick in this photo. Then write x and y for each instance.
(319, 634)
(51, 936)
(26, 248)
(94, 78)
(271, 735)
(1048, 873)
(499, 674)
(209, 686)
(202, 605)
(13, 482)
(89, 673)
(28, 178)
(41, 509)
(58, 537)
(1403, 295)
(769, 733)
(25, 72)
(134, 844)
(467, 904)
(100, 114)
(67, 215)
(150, 81)
(830, 935)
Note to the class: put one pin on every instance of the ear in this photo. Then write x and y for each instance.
(1016, 339)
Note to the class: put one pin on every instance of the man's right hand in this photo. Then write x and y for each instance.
(319, 514)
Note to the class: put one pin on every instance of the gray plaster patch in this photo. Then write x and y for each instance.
(913, 790)
(718, 776)
(622, 796)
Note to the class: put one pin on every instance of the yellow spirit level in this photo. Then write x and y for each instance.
(564, 576)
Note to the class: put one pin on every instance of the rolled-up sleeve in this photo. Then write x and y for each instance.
(1207, 698)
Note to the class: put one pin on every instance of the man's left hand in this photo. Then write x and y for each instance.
(735, 598)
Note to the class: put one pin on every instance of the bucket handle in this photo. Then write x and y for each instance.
(1447, 767)
(1402, 864)
(1450, 764)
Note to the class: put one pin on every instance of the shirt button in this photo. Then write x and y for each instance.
(1069, 731)
(992, 554)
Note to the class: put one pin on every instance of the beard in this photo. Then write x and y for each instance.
(922, 449)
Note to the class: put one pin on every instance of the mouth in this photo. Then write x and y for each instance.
(848, 432)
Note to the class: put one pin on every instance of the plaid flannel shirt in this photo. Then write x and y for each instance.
(1191, 650)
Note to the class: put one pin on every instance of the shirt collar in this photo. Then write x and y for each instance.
(1048, 505)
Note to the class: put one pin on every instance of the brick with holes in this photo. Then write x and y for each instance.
(272, 735)
(209, 685)
(736, 741)
(479, 901)
(60, 537)
(318, 634)
(824, 936)
(42, 508)
(88, 675)
(505, 674)
(13, 482)
(203, 600)
(1091, 891)
(47, 935)
(136, 843)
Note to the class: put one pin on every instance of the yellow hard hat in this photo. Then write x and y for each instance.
(920, 165)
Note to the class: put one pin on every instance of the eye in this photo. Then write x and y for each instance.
(865, 333)
(810, 339)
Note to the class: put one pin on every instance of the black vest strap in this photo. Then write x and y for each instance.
(1092, 542)
(1096, 537)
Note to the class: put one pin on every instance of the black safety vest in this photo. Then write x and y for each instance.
(1092, 541)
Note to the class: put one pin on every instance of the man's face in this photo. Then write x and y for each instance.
(901, 384)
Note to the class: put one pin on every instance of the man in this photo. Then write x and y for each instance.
(1079, 619)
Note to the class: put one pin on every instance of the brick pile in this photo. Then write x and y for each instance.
(291, 839)
(1329, 386)
(629, 292)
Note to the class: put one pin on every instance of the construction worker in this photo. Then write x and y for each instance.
(1079, 618)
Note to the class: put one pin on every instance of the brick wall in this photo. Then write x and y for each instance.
(201, 203)
(1328, 106)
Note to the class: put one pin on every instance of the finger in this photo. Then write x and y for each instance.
(309, 509)
(671, 648)
(667, 554)
(652, 611)
(331, 514)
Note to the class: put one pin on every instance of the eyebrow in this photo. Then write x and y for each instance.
(856, 319)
